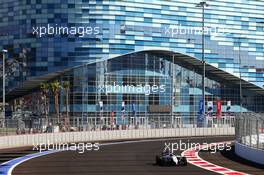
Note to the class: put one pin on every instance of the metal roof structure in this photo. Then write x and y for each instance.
(31, 84)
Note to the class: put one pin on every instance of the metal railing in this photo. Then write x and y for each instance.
(103, 122)
(250, 130)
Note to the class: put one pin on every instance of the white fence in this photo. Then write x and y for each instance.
(39, 125)
(109, 135)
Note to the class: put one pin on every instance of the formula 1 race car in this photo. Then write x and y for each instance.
(169, 159)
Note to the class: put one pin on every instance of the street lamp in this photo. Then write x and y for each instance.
(3, 102)
(238, 40)
(203, 4)
(240, 76)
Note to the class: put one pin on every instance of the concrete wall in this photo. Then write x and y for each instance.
(249, 153)
(69, 137)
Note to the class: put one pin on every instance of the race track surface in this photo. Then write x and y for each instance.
(8, 154)
(129, 159)
(230, 160)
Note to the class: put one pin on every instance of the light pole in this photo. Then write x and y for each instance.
(203, 4)
(3, 102)
(239, 38)
(240, 76)
(172, 91)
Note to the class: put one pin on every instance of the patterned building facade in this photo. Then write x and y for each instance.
(46, 36)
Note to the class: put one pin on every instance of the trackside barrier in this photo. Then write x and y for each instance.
(249, 153)
(250, 137)
(90, 136)
(91, 123)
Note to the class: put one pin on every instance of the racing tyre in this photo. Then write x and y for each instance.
(158, 162)
(183, 161)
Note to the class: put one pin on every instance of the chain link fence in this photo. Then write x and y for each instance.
(105, 122)
(250, 130)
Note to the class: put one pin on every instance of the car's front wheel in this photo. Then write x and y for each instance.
(158, 161)
(183, 161)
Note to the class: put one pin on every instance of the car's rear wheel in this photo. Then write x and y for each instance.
(184, 161)
(158, 161)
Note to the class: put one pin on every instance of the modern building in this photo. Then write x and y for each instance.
(136, 57)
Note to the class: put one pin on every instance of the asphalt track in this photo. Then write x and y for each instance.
(8, 154)
(229, 159)
(128, 158)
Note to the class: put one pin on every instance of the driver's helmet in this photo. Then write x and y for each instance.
(167, 152)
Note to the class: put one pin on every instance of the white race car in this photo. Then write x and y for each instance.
(169, 159)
